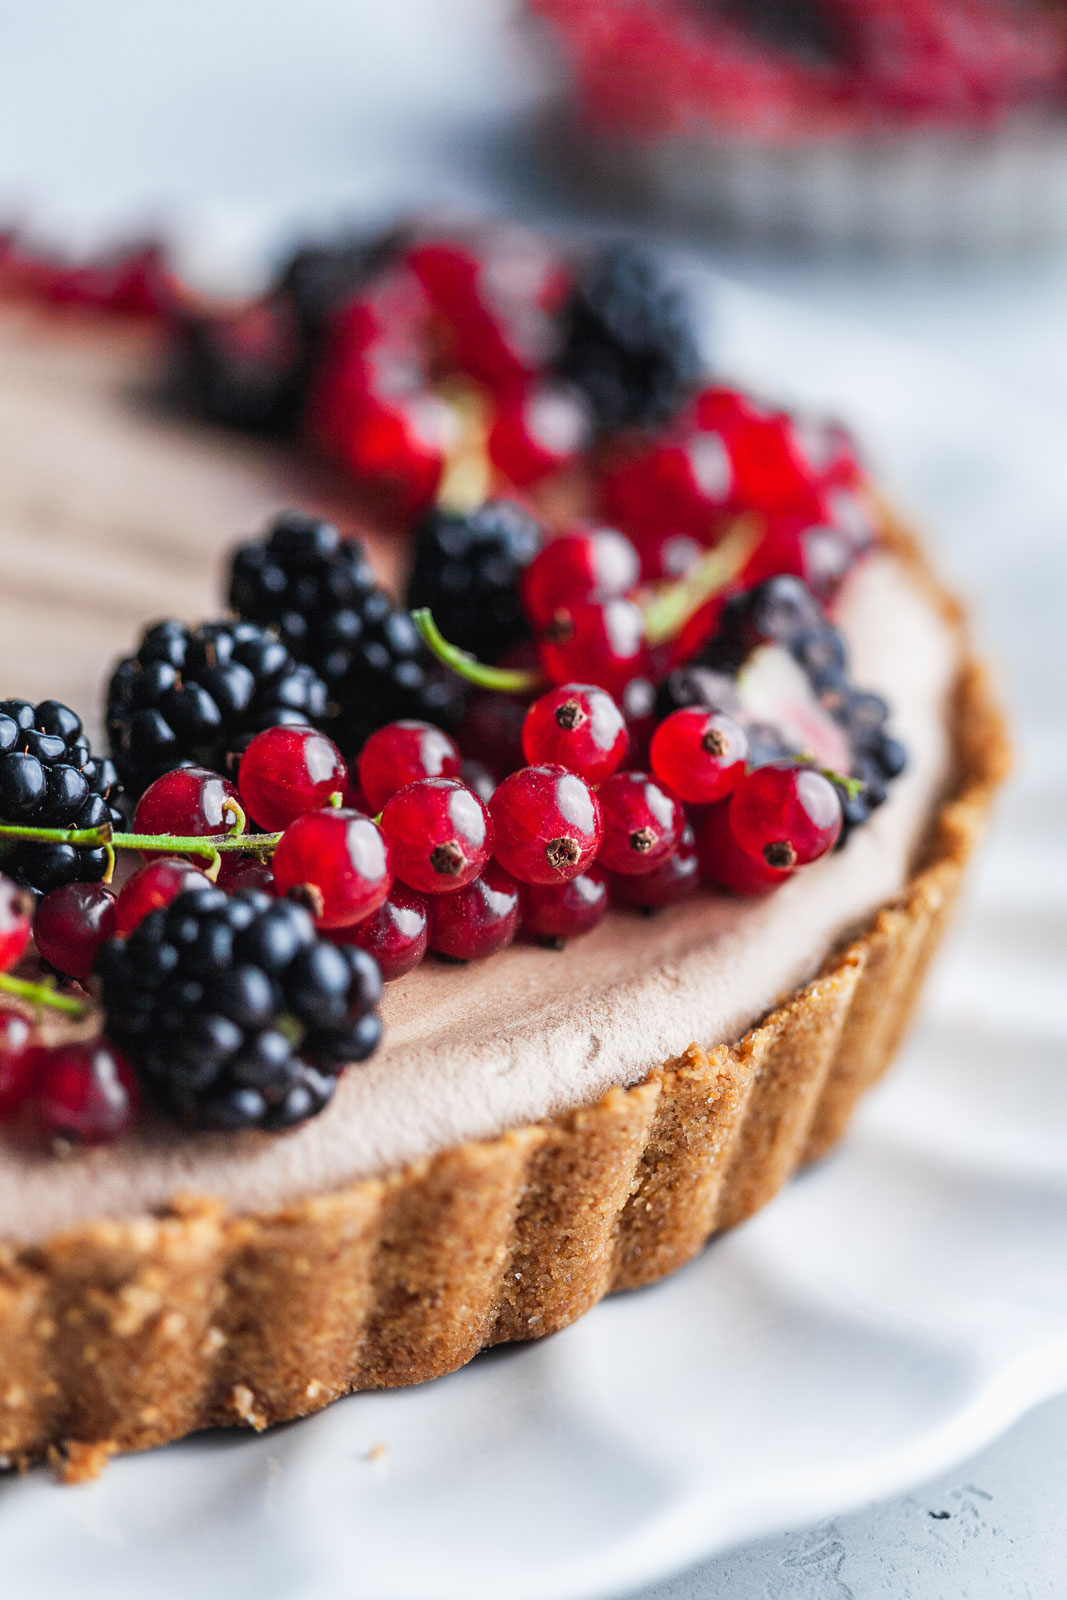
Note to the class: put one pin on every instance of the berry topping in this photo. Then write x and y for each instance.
(83, 1093)
(71, 924)
(234, 1012)
(787, 816)
(672, 881)
(539, 431)
(725, 865)
(402, 753)
(440, 835)
(591, 564)
(16, 1063)
(189, 801)
(642, 823)
(337, 863)
(466, 571)
(547, 824)
(155, 885)
(477, 921)
(628, 341)
(698, 754)
(287, 771)
(577, 726)
(396, 935)
(556, 912)
(49, 778)
(596, 641)
(16, 908)
(198, 695)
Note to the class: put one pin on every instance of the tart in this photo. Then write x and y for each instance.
(835, 122)
(535, 1130)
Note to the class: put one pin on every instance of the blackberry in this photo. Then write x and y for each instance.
(466, 569)
(784, 612)
(320, 592)
(628, 341)
(234, 1012)
(49, 778)
(198, 695)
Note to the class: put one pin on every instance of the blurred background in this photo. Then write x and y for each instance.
(874, 216)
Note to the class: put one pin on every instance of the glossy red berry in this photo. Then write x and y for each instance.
(723, 863)
(250, 874)
(439, 833)
(477, 921)
(588, 564)
(16, 920)
(786, 815)
(336, 862)
(154, 885)
(547, 823)
(396, 935)
(84, 1093)
(699, 754)
(16, 1063)
(71, 924)
(596, 641)
(676, 879)
(576, 726)
(556, 912)
(479, 777)
(642, 823)
(190, 801)
(287, 771)
(402, 753)
(538, 431)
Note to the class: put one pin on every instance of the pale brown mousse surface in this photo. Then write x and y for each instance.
(111, 514)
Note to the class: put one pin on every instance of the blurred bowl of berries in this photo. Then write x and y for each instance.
(885, 124)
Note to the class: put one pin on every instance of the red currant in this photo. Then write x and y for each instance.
(591, 564)
(338, 862)
(596, 641)
(401, 753)
(71, 924)
(556, 912)
(287, 771)
(576, 726)
(698, 754)
(190, 801)
(16, 909)
(548, 824)
(477, 776)
(84, 1093)
(642, 823)
(538, 432)
(250, 874)
(396, 935)
(786, 815)
(477, 921)
(439, 833)
(153, 886)
(724, 864)
(674, 880)
(16, 1063)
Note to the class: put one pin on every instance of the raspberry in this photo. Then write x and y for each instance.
(234, 1012)
(49, 778)
(628, 341)
(466, 570)
(440, 835)
(197, 696)
(547, 825)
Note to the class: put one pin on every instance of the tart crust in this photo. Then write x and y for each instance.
(124, 1334)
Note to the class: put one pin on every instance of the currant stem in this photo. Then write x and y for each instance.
(667, 611)
(41, 994)
(508, 680)
(174, 844)
(851, 786)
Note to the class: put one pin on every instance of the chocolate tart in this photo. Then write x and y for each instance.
(536, 1132)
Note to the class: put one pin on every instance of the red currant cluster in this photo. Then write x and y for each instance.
(784, 69)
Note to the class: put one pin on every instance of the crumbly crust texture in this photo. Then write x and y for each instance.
(124, 1334)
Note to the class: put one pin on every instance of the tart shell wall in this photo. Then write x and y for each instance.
(125, 1334)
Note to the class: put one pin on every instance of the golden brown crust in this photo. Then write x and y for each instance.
(126, 1334)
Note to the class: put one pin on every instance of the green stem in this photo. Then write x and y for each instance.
(851, 786)
(508, 680)
(41, 994)
(175, 844)
(668, 610)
